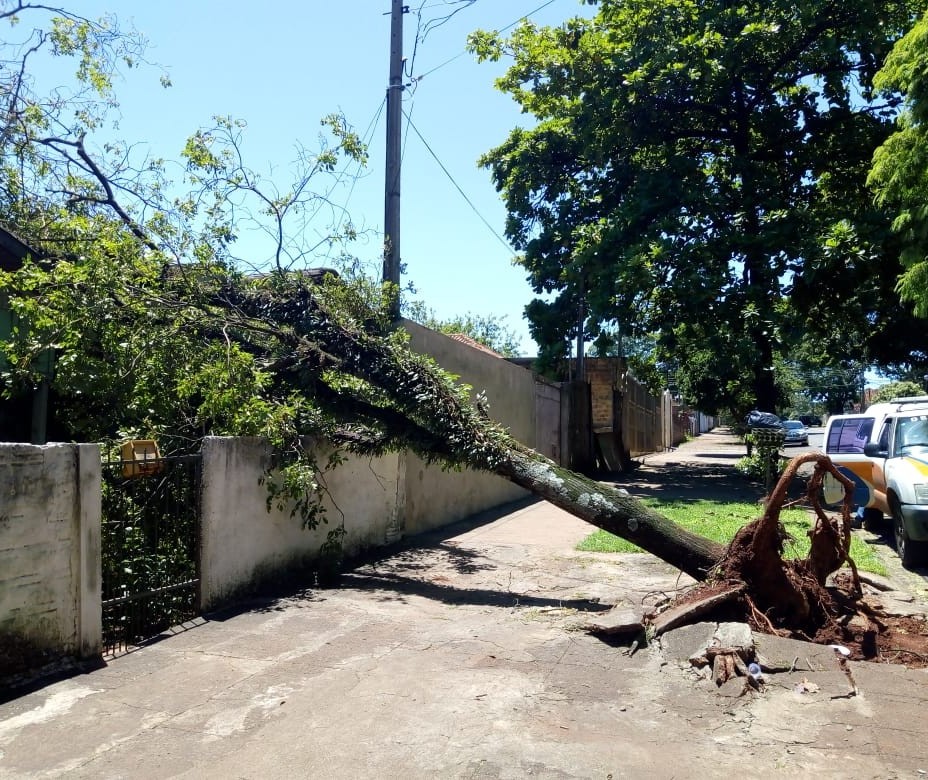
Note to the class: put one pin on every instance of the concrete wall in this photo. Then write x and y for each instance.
(550, 424)
(381, 500)
(50, 547)
(50, 561)
(434, 497)
(244, 545)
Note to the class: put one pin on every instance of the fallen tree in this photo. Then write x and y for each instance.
(288, 355)
(159, 330)
(327, 351)
(427, 413)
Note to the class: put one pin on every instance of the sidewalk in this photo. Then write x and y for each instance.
(702, 467)
(461, 655)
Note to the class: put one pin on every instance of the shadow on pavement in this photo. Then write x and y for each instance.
(390, 586)
(689, 482)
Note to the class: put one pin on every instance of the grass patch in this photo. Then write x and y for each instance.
(719, 521)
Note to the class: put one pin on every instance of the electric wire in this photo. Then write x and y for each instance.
(422, 32)
(366, 139)
(502, 30)
(423, 29)
(463, 194)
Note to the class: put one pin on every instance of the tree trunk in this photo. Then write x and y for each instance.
(612, 510)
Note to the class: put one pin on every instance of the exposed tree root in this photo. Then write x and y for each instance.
(790, 598)
(791, 594)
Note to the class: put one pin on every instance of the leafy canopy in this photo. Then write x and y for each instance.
(696, 172)
(900, 166)
(159, 328)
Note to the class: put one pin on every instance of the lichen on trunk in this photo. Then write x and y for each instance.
(612, 510)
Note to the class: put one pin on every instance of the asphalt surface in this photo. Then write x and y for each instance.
(463, 654)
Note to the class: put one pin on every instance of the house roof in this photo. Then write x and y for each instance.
(12, 251)
(465, 339)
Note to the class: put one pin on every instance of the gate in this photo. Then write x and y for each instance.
(150, 542)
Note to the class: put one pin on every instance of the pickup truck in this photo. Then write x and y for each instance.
(884, 451)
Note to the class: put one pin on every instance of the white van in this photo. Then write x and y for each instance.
(884, 451)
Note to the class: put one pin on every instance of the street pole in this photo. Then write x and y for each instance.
(391, 220)
(581, 320)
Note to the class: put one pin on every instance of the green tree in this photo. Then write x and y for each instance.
(901, 163)
(897, 390)
(696, 171)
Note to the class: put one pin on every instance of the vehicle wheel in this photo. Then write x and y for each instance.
(873, 520)
(911, 553)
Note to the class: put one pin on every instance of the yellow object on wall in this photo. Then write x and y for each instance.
(141, 457)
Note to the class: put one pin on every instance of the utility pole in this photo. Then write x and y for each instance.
(581, 321)
(391, 220)
(396, 523)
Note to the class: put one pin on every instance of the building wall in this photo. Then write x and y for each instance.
(550, 426)
(603, 374)
(50, 546)
(434, 497)
(50, 507)
(243, 545)
(642, 422)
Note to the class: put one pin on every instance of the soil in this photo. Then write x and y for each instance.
(871, 627)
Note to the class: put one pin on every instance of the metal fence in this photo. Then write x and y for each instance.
(150, 547)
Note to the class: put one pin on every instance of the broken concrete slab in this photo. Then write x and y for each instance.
(779, 654)
(686, 611)
(681, 644)
(876, 581)
(737, 636)
(900, 604)
(693, 642)
(619, 621)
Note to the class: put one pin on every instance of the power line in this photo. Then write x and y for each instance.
(424, 28)
(366, 139)
(462, 53)
(447, 173)
(422, 32)
(526, 16)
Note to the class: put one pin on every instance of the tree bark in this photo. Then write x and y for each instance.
(612, 510)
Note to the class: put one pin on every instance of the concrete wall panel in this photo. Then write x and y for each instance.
(434, 497)
(46, 536)
(244, 545)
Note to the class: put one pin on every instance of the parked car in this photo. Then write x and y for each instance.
(796, 432)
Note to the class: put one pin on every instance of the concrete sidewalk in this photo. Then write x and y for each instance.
(461, 655)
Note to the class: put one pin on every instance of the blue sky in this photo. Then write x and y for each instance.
(283, 65)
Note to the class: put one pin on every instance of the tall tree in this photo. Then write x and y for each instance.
(692, 163)
(900, 166)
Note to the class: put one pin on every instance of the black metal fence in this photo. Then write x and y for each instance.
(150, 547)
